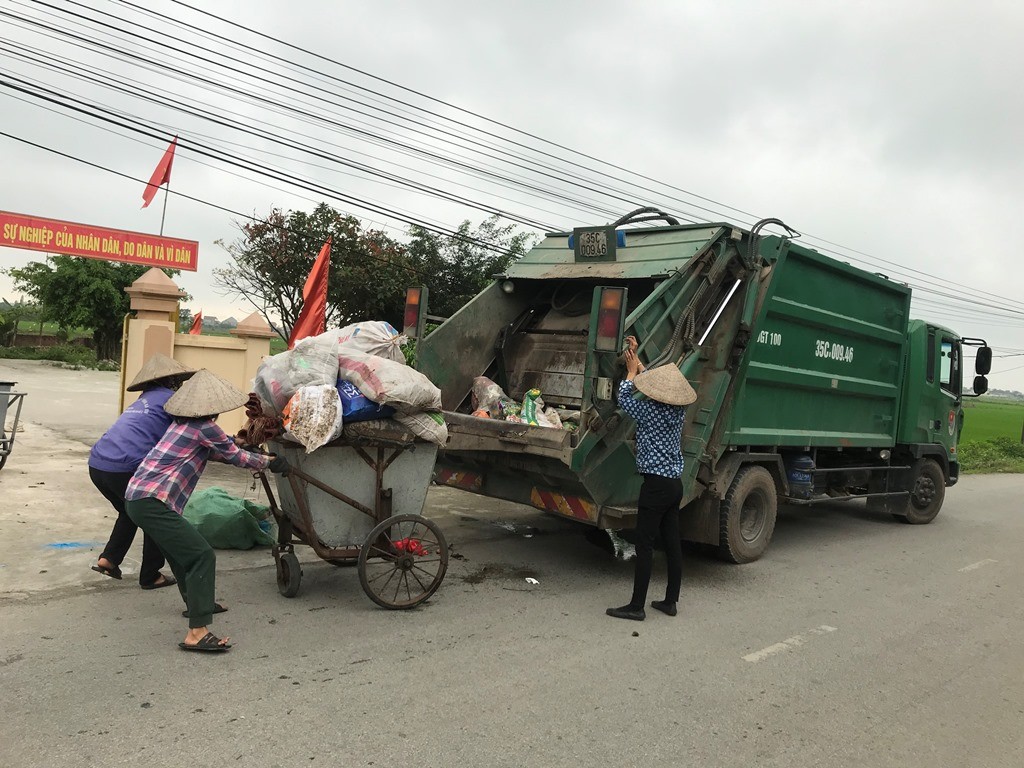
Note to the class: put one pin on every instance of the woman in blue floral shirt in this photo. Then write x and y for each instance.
(659, 411)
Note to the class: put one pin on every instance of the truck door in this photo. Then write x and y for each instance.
(950, 380)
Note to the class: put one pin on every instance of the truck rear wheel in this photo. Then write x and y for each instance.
(927, 486)
(747, 516)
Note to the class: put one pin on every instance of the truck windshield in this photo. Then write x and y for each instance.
(949, 367)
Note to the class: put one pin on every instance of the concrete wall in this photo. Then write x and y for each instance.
(235, 358)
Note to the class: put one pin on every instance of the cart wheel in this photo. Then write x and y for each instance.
(403, 561)
(289, 574)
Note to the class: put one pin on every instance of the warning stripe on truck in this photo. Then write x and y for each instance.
(570, 506)
(469, 481)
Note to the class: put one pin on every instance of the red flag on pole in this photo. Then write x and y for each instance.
(313, 316)
(197, 324)
(161, 174)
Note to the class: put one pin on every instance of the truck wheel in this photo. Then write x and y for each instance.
(747, 516)
(927, 488)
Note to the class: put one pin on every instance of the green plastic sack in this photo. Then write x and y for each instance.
(227, 522)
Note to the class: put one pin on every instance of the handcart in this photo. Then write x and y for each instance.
(8, 400)
(374, 524)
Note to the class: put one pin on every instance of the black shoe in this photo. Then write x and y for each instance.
(664, 606)
(627, 612)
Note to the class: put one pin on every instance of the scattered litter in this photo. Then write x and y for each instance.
(623, 549)
(528, 531)
(531, 580)
(636, 634)
(72, 544)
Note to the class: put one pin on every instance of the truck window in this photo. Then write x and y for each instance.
(929, 365)
(949, 367)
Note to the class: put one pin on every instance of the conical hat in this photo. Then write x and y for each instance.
(666, 384)
(158, 367)
(205, 394)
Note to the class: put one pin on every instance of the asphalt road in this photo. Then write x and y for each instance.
(856, 641)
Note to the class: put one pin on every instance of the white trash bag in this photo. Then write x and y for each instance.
(373, 338)
(429, 426)
(313, 361)
(387, 382)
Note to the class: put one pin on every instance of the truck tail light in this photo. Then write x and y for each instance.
(610, 319)
(415, 307)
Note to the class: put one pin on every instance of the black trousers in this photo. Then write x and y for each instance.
(658, 513)
(113, 486)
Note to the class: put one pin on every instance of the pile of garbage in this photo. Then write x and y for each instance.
(354, 374)
(490, 402)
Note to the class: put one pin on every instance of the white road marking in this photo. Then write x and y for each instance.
(977, 565)
(787, 645)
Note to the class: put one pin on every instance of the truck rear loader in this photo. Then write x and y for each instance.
(813, 383)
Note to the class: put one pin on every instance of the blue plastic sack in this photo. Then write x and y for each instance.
(355, 406)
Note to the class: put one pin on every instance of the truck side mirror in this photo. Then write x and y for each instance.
(983, 361)
(980, 384)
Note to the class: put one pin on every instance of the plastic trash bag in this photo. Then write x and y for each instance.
(386, 382)
(355, 406)
(536, 414)
(314, 360)
(313, 416)
(227, 522)
(372, 338)
(488, 396)
(429, 426)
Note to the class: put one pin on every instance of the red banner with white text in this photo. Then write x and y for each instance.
(64, 237)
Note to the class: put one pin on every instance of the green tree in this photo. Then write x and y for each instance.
(11, 316)
(270, 262)
(185, 318)
(82, 293)
(455, 269)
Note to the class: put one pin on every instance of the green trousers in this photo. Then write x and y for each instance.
(191, 559)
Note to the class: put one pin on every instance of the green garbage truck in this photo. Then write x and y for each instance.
(813, 383)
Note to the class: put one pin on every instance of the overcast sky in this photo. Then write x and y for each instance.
(891, 129)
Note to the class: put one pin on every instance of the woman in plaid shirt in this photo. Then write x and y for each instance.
(162, 484)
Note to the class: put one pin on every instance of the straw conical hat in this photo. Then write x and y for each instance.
(665, 384)
(158, 367)
(205, 394)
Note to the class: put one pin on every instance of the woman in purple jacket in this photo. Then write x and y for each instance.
(115, 457)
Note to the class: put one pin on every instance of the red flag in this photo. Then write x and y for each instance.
(161, 175)
(313, 317)
(197, 324)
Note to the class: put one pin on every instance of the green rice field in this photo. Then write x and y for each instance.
(985, 419)
(991, 440)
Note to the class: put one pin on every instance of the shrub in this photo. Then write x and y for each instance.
(72, 354)
(998, 454)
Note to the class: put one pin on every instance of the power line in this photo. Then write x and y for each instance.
(443, 117)
(184, 196)
(506, 126)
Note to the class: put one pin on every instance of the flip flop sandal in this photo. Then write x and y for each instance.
(169, 581)
(114, 573)
(217, 608)
(209, 643)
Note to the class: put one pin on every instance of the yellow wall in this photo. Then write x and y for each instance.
(234, 358)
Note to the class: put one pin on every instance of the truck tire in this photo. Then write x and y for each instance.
(927, 486)
(747, 516)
